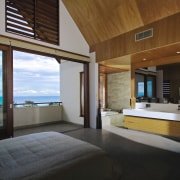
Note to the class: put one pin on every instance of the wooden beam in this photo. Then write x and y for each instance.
(43, 49)
(133, 99)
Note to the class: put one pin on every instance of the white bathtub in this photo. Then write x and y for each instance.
(108, 113)
(111, 118)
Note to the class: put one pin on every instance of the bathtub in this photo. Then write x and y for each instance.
(108, 113)
(111, 118)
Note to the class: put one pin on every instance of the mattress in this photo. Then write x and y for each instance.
(52, 155)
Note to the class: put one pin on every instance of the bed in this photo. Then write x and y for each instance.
(52, 155)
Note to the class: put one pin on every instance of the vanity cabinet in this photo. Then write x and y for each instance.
(152, 125)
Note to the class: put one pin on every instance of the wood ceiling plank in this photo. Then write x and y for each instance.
(108, 70)
(157, 62)
(157, 53)
(157, 9)
(109, 27)
(117, 64)
(128, 17)
(109, 19)
(123, 60)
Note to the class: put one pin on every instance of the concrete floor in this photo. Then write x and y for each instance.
(142, 156)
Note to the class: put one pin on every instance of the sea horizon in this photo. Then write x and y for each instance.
(35, 99)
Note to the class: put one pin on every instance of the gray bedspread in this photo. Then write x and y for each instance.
(51, 155)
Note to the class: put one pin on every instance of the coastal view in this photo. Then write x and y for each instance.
(35, 99)
(36, 79)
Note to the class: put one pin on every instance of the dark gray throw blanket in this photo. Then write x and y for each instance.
(51, 155)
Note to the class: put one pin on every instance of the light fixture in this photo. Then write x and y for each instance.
(178, 52)
(144, 59)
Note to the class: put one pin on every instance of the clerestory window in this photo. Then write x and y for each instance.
(37, 19)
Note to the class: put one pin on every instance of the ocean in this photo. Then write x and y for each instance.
(35, 99)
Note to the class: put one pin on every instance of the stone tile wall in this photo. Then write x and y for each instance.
(119, 90)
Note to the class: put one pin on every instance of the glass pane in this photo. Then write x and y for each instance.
(140, 89)
(140, 85)
(1, 90)
(151, 80)
(149, 89)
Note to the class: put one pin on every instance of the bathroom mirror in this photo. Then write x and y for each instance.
(159, 84)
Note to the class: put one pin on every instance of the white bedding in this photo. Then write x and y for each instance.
(51, 155)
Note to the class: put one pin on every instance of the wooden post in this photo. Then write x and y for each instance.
(86, 96)
(133, 97)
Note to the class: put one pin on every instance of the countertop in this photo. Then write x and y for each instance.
(153, 113)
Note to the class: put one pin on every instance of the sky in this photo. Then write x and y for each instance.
(35, 75)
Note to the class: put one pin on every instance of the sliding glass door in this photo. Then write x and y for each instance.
(6, 109)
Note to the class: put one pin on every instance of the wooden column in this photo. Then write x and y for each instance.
(86, 96)
(133, 96)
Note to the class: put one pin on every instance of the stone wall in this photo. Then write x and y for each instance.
(119, 90)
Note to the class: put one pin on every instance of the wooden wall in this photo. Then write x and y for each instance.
(165, 32)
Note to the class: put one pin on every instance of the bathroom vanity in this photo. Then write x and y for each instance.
(158, 118)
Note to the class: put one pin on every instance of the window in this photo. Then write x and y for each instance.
(145, 85)
(140, 89)
(37, 19)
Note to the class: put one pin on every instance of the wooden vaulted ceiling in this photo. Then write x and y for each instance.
(104, 20)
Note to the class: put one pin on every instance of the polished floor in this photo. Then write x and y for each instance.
(142, 156)
(61, 127)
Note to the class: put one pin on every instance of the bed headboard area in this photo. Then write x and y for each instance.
(52, 155)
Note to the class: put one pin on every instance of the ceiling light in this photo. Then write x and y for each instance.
(178, 52)
(144, 59)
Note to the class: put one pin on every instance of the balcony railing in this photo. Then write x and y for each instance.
(26, 114)
(32, 104)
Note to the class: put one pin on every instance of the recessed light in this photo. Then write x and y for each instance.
(178, 52)
(144, 59)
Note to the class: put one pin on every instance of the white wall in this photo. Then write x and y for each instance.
(93, 92)
(70, 91)
(71, 38)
